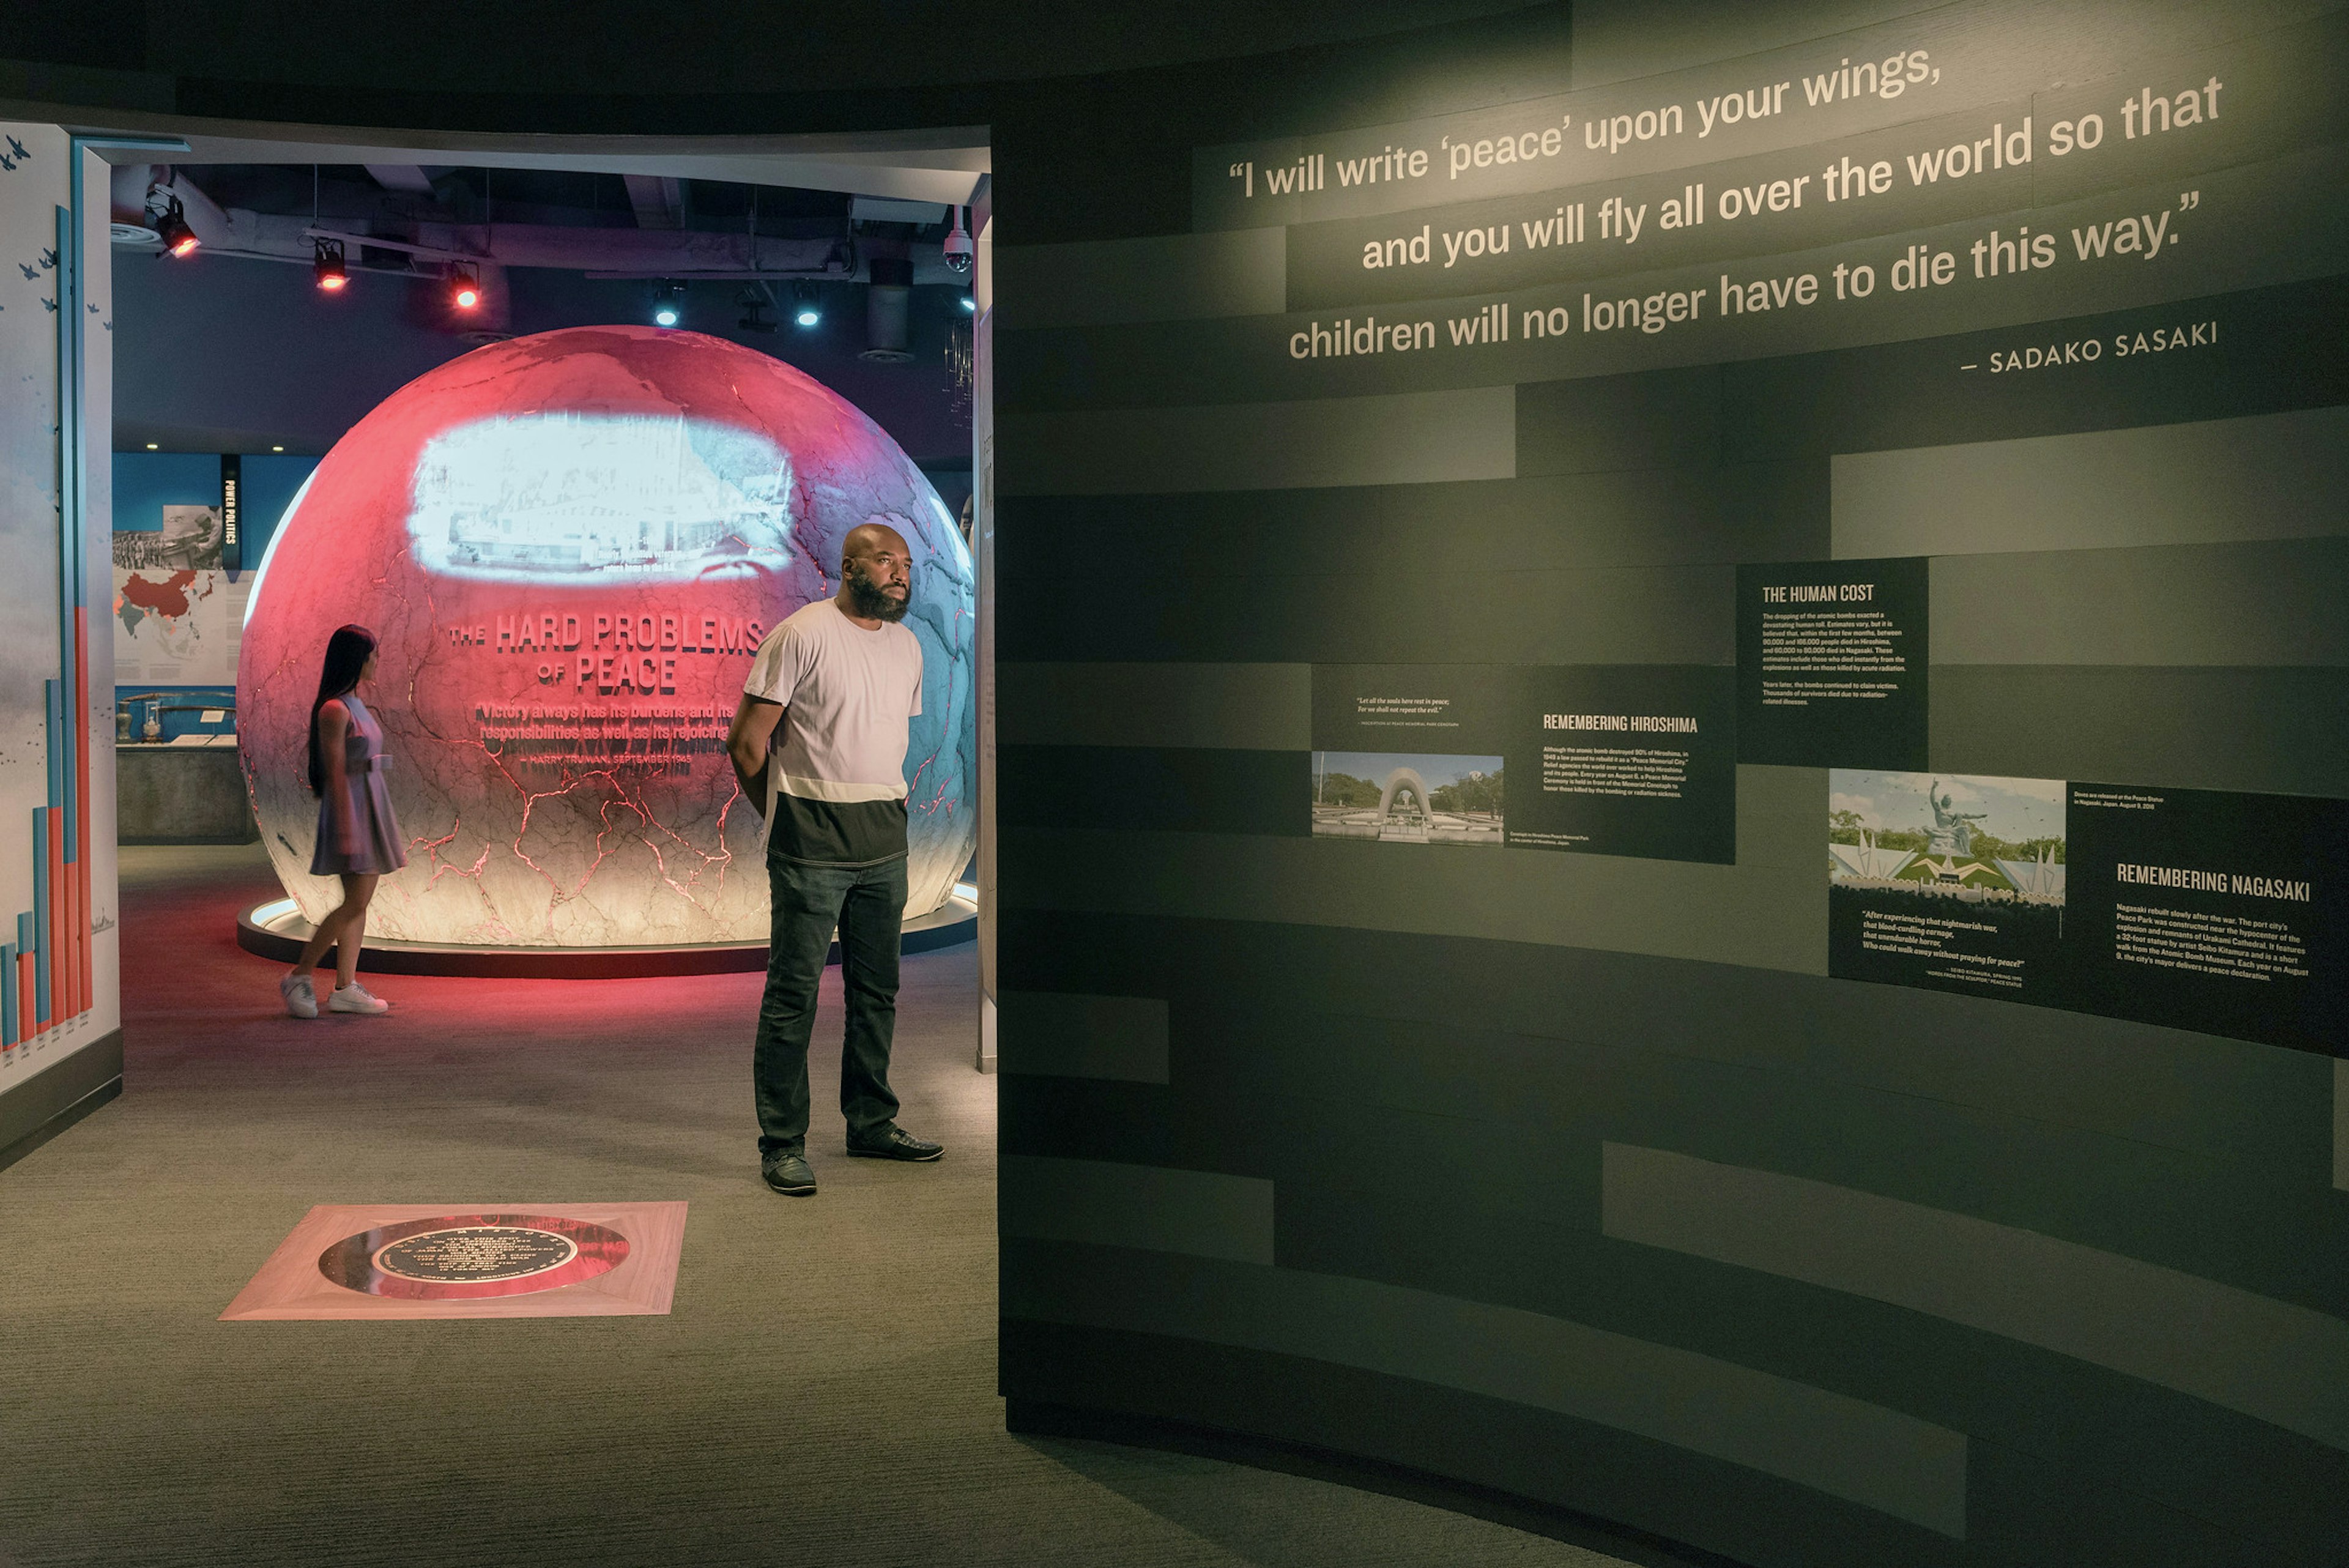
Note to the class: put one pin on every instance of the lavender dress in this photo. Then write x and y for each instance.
(375, 832)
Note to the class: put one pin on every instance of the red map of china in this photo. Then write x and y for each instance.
(168, 598)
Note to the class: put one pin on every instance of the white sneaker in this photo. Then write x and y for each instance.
(356, 998)
(300, 999)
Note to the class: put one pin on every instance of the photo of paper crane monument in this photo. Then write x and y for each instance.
(1404, 798)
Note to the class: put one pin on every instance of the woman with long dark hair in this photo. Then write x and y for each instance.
(358, 838)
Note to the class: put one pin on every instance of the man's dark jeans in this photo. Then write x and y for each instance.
(866, 903)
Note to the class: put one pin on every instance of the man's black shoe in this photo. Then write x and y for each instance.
(789, 1175)
(895, 1144)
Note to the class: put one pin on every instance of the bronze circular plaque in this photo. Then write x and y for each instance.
(474, 1254)
(459, 1257)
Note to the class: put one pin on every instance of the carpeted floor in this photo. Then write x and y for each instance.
(823, 1392)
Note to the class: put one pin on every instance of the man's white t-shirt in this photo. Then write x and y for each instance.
(836, 765)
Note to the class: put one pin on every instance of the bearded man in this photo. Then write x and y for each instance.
(819, 746)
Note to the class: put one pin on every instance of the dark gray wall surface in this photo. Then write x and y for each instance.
(1577, 1177)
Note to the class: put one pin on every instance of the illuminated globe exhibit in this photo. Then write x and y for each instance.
(569, 546)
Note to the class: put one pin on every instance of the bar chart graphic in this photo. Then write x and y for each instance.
(47, 981)
(46, 978)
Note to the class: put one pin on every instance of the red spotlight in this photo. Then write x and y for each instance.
(464, 287)
(178, 239)
(326, 266)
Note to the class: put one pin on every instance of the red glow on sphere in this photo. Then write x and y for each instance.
(567, 545)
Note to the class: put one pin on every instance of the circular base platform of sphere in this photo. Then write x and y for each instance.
(277, 931)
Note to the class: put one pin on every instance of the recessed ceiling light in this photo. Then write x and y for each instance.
(278, 449)
(150, 446)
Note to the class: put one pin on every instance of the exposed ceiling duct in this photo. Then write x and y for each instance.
(214, 226)
(126, 188)
(408, 177)
(659, 201)
(887, 310)
(886, 209)
(607, 253)
(390, 232)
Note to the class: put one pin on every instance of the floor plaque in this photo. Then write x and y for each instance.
(418, 1260)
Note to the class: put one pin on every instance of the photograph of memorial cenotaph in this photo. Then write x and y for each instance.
(1947, 835)
(1404, 798)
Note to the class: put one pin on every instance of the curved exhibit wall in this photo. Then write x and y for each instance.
(1864, 509)
(569, 546)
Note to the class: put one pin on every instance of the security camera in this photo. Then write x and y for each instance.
(958, 248)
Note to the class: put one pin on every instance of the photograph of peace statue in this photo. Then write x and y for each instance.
(1965, 835)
